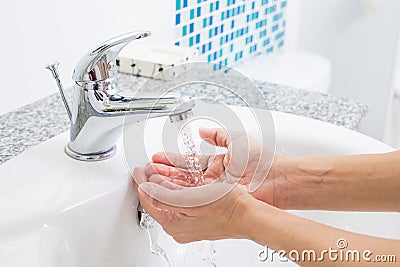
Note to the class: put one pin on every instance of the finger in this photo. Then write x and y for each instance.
(166, 182)
(149, 205)
(178, 160)
(210, 180)
(180, 182)
(165, 170)
(215, 136)
(139, 175)
(177, 176)
(149, 193)
(150, 169)
(170, 159)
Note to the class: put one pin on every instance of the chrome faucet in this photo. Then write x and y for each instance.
(100, 108)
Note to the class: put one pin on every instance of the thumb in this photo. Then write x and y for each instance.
(215, 136)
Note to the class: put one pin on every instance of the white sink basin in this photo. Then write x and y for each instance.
(56, 211)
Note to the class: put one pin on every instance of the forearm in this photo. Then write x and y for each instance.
(313, 244)
(362, 182)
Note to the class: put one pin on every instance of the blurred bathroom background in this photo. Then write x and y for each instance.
(347, 48)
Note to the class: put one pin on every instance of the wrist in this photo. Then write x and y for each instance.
(243, 219)
(283, 179)
(306, 182)
(260, 221)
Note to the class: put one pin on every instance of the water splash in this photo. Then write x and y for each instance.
(149, 224)
(200, 254)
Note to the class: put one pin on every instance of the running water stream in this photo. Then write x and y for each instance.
(197, 254)
(149, 224)
(196, 177)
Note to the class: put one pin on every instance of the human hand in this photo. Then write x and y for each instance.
(246, 161)
(217, 220)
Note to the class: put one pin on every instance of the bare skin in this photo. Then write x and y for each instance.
(356, 183)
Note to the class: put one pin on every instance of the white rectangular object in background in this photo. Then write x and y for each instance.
(150, 60)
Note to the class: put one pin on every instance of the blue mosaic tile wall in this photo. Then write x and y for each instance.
(227, 31)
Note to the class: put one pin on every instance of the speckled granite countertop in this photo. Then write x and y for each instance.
(41, 120)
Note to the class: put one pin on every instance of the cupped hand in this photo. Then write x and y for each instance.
(245, 162)
(217, 220)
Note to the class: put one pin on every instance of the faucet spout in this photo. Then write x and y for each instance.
(99, 119)
(100, 109)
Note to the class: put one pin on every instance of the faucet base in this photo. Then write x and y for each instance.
(91, 157)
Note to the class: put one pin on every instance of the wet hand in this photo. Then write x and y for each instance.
(217, 220)
(245, 162)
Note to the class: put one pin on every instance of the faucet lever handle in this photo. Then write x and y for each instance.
(53, 67)
(99, 64)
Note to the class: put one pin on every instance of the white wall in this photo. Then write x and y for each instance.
(37, 32)
(392, 129)
(293, 15)
(360, 38)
